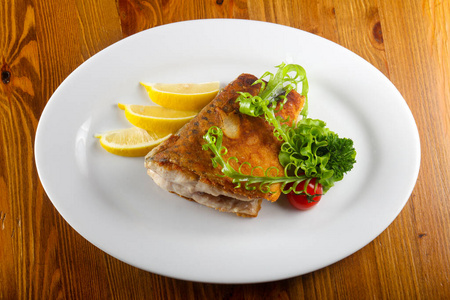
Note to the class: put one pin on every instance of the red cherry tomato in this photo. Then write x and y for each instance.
(306, 201)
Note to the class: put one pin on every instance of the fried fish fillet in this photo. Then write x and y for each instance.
(181, 166)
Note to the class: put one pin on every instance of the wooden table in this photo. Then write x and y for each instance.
(42, 42)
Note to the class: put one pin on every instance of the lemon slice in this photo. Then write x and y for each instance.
(156, 118)
(182, 96)
(131, 142)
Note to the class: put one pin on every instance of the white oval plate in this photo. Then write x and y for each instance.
(112, 202)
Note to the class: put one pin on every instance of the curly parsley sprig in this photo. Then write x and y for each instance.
(318, 151)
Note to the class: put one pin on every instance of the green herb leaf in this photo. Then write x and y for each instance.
(318, 151)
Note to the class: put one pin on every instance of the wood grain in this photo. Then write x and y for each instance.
(42, 42)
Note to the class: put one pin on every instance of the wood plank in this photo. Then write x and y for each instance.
(136, 16)
(19, 115)
(42, 42)
(418, 48)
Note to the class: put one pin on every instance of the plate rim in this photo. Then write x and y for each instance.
(137, 36)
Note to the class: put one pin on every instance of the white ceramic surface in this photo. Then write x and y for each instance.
(112, 202)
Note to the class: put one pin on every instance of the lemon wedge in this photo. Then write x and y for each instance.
(182, 96)
(131, 142)
(156, 118)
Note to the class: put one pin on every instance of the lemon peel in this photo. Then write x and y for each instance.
(130, 142)
(182, 96)
(156, 118)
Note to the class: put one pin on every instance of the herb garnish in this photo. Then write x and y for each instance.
(309, 149)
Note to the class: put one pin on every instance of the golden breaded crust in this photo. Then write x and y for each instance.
(250, 139)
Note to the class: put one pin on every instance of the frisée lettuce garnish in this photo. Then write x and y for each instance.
(309, 149)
